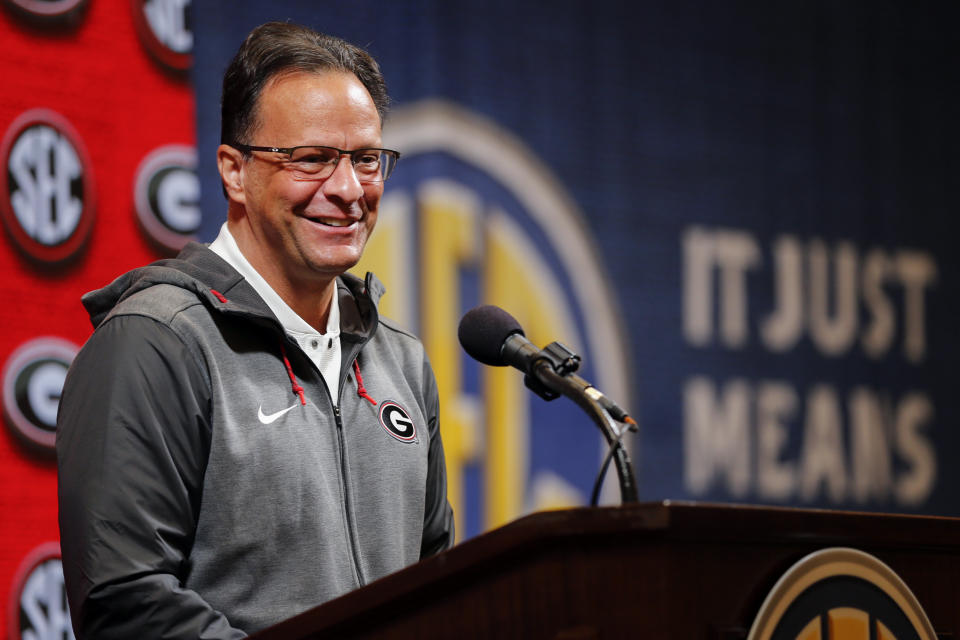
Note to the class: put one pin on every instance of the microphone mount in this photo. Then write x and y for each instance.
(561, 359)
(493, 337)
(551, 373)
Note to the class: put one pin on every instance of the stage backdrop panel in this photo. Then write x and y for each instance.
(98, 151)
(740, 215)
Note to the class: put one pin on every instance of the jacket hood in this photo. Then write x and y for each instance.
(220, 286)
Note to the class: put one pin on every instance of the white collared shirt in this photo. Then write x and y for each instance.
(323, 349)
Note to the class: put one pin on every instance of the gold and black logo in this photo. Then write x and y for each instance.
(841, 594)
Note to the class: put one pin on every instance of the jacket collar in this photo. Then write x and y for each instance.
(219, 286)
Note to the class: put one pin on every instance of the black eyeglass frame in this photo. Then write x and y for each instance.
(247, 148)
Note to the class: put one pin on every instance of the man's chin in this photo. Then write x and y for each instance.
(334, 264)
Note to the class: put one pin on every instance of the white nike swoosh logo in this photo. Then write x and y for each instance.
(267, 419)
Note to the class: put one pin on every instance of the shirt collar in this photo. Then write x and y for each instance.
(226, 247)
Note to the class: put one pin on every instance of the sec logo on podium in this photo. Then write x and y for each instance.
(841, 594)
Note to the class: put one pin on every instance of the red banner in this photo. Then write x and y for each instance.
(97, 116)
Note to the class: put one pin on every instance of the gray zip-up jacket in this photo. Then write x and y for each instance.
(209, 486)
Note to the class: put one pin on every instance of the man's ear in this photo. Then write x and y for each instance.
(230, 162)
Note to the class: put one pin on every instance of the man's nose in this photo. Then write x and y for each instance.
(343, 183)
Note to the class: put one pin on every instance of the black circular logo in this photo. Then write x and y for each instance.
(837, 594)
(32, 383)
(165, 28)
(397, 422)
(46, 191)
(38, 600)
(167, 196)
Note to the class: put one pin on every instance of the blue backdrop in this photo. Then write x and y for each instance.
(770, 189)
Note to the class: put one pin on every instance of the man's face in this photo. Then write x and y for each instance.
(308, 232)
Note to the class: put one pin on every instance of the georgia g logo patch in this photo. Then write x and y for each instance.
(397, 422)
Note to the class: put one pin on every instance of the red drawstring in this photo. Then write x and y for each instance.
(361, 390)
(297, 389)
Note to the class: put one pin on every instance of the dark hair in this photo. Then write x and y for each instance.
(280, 47)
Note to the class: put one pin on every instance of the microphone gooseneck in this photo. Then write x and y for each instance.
(493, 337)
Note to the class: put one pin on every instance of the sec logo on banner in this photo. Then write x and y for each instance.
(165, 28)
(166, 197)
(472, 216)
(32, 383)
(46, 187)
(38, 601)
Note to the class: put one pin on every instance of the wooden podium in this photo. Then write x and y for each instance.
(656, 570)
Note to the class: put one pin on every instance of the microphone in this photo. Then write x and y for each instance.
(493, 337)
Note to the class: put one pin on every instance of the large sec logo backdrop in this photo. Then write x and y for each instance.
(473, 217)
(773, 221)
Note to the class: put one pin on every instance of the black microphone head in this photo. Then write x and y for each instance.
(483, 330)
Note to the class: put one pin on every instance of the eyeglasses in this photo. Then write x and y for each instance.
(319, 163)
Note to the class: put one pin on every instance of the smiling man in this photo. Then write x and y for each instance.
(244, 437)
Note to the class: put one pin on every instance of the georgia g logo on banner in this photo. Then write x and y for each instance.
(165, 194)
(33, 379)
(46, 188)
(473, 217)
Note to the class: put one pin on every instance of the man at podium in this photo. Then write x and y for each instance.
(244, 437)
